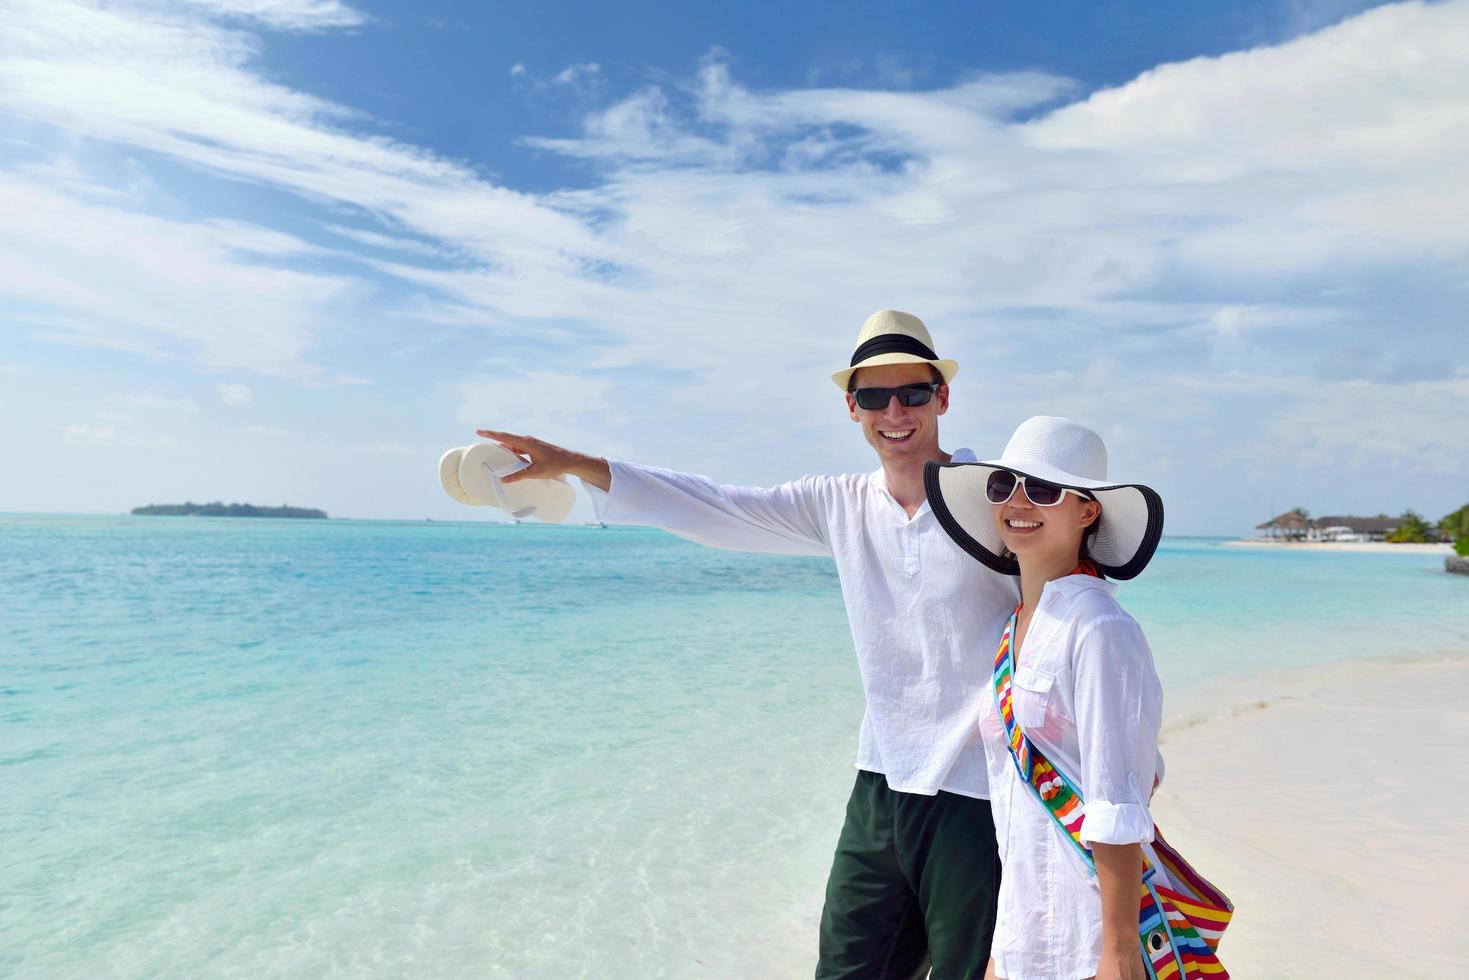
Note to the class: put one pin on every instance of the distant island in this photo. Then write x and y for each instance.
(218, 509)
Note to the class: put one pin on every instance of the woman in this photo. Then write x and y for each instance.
(1074, 674)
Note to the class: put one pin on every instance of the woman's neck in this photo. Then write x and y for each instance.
(1037, 570)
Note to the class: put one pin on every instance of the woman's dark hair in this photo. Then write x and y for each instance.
(1086, 540)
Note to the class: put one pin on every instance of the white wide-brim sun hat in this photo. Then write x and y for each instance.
(1068, 454)
(475, 475)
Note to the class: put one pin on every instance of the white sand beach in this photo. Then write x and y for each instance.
(1381, 547)
(1329, 807)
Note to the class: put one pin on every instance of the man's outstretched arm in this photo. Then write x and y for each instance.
(548, 461)
(786, 519)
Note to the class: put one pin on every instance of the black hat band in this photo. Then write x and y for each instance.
(892, 343)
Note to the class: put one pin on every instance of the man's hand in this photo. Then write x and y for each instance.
(548, 461)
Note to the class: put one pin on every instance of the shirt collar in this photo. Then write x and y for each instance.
(958, 456)
(879, 480)
(1077, 584)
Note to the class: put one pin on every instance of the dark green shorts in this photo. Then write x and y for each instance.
(912, 887)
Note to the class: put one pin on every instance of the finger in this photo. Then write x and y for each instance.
(531, 472)
(518, 444)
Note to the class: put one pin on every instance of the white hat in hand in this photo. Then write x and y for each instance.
(475, 475)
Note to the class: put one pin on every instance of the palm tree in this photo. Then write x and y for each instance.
(1456, 525)
(1413, 529)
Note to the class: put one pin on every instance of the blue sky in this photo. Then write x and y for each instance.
(290, 250)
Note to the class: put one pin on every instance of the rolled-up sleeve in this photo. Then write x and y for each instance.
(786, 519)
(1119, 706)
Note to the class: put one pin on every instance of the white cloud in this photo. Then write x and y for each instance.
(578, 75)
(185, 87)
(290, 15)
(1238, 333)
(1344, 145)
(150, 402)
(1372, 427)
(937, 196)
(96, 274)
(110, 436)
(551, 404)
(235, 395)
(1212, 225)
(387, 242)
(579, 82)
(254, 240)
(90, 433)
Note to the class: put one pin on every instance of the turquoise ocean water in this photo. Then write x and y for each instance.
(252, 748)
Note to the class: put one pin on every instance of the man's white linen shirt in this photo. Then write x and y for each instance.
(921, 610)
(1085, 691)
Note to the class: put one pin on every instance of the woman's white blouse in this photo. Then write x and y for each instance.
(1086, 693)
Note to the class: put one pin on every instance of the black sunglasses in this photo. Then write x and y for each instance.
(909, 396)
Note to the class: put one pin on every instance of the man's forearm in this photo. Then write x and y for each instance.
(786, 519)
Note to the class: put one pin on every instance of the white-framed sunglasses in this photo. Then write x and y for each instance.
(1000, 487)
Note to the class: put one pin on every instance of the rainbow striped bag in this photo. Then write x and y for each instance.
(1179, 929)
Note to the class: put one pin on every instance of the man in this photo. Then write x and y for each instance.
(915, 875)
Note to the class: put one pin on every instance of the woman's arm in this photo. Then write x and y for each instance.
(1119, 707)
(1118, 712)
(1119, 869)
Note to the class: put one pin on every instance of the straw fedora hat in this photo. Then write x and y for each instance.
(1060, 451)
(894, 337)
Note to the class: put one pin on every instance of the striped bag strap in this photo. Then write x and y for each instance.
(1060, 797)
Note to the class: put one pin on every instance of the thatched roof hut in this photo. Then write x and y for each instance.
(1289, 525)
(1297, 526)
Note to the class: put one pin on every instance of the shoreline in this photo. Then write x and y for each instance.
(1324, 803)
(1374, 547)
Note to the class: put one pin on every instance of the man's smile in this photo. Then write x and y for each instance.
(895, 435)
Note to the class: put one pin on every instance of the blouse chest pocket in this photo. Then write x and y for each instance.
(1032, 695)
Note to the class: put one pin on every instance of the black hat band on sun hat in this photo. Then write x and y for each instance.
(966, 530)
(1058, 451)
(893, 343)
